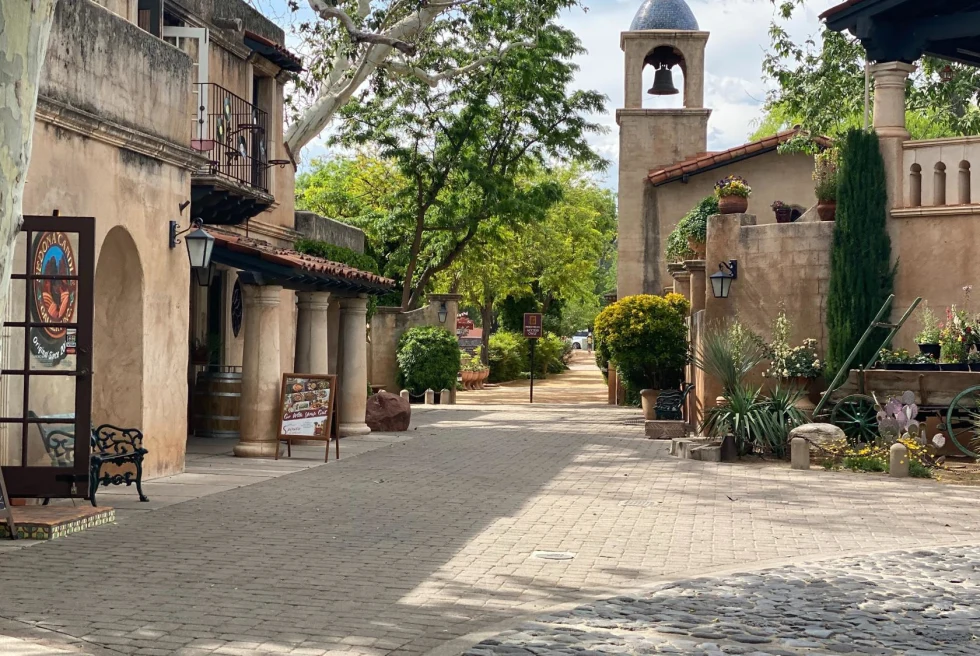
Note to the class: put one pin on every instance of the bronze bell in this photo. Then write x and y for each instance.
(663, 83)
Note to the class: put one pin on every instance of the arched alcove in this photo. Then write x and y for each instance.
(670, 59)
(964, 183)
(915, 186)
(939, 185)
(117, 349)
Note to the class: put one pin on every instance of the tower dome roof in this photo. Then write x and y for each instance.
(664, 15)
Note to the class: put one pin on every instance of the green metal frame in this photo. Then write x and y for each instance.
(877, 323)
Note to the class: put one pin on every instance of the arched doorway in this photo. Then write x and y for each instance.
(117, 350)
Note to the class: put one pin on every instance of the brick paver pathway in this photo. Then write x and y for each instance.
(406, 547)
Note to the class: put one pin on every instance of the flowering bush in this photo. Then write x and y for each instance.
(958, 333)
(825, 175)
(929, 333)
(733, 185)
(902, 356)
(787, 361)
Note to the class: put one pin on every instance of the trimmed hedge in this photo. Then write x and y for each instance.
(645, 336)
(510, 356)
(428, 358)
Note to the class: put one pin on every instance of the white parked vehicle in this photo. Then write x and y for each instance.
(580, 340)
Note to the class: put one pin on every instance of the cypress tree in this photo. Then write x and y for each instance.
(861, 273)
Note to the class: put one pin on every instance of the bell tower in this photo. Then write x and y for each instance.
(665, 36)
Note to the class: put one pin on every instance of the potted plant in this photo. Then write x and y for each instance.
(784, 213)
(956, 338)
(928, 337)
(895, 359)
(645, 337)
(695, 225)
(733, 195)
(825, 175)
(797, 366)
(973, 360)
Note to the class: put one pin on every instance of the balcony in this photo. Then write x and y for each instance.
(232, 134)
(939, 177)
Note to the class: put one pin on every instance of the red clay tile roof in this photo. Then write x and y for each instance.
(836, 9)
(274, 52)
(316, 266)
(711, 160)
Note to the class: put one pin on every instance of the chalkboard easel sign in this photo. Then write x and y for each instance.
(306, 411)
(5, 511)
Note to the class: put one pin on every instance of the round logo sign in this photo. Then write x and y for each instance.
(53, 299)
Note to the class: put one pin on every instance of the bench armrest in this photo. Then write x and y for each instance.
(116, 441)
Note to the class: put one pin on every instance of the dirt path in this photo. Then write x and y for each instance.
(582, 383)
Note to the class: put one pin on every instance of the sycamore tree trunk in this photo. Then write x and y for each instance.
(25, 26)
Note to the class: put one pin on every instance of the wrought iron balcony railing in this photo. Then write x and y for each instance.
(233, 134)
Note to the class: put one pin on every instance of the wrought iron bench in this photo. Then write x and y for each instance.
(110, 445)
(670, 403)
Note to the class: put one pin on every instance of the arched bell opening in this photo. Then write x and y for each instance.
(664, 78)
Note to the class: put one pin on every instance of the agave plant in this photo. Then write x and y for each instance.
(758, 423)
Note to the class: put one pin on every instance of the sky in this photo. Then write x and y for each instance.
(734, 86)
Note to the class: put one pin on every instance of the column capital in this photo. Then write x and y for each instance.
(693, 265)
(262, 295)
(891, 73)
(356, 305)
(889, 105)
(313, 300)
(681, 276)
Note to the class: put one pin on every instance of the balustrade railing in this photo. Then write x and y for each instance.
(939, 172)
(233, 134)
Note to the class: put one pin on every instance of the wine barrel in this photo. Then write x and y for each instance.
(217, 403)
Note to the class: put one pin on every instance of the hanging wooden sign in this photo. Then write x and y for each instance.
(5, 511)
(306, 410)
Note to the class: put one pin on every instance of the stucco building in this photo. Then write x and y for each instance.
(155, 112)
(664, 166)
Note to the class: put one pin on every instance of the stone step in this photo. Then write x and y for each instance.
(693, 448)
(664, 429)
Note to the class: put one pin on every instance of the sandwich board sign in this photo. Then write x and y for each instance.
(5, 512)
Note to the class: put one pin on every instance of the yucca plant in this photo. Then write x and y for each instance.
(728, 353)
(758, 423)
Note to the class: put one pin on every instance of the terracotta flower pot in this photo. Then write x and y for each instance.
(648, 400)
(698, 247)
(802, 384)
(784, 215)
(827, 210)
(733, 205)
(468, 379)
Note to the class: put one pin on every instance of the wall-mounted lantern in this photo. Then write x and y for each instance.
(205, 275)
(443, 312)
(200, 244)
(721, 282)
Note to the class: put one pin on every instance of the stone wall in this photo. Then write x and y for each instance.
(387, 327)
(320, 228)
(779, 266)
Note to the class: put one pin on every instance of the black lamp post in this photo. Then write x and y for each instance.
(721, 282)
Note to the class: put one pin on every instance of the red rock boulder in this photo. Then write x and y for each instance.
(388, 413)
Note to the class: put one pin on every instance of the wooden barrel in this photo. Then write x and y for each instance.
(217, 403)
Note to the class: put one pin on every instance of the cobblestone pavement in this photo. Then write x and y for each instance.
(912, 603)
(406, 547)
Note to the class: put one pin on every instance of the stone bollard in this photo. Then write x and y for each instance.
(898, 460)
(404, 394)
(799, 453)
(445, 397)
(430, 396)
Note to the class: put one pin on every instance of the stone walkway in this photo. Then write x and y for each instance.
(407, 547)
(911, 603)
(581, 384)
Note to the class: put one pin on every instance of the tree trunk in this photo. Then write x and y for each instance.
(25, 26)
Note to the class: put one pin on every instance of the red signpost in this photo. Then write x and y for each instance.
(533, 330)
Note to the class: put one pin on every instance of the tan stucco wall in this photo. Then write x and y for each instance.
(101, 64)
(780, 266)
(772, 176)
(387, 327)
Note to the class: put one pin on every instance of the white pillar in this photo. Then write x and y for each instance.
(312, 326)
(261, 376)
(353, 367)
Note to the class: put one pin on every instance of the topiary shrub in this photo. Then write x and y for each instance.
(508, 355)
(428, 358)
(645, 337)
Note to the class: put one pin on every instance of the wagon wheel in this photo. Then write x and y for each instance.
(857, 416)
(963, 421)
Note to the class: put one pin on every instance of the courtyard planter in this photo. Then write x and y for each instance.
(648, 400)
(784, 215)
(733, 205)
(932, 350)
(827, 210)
(954, 366)
(697, 247)
(802, 384)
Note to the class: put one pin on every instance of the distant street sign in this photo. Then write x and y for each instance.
(533, 328)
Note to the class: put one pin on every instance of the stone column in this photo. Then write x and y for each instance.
(353, 381)
(261, 375)
(698, 281)
(889, 122)
(333, 336)
(312, 333)
(682, 284)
